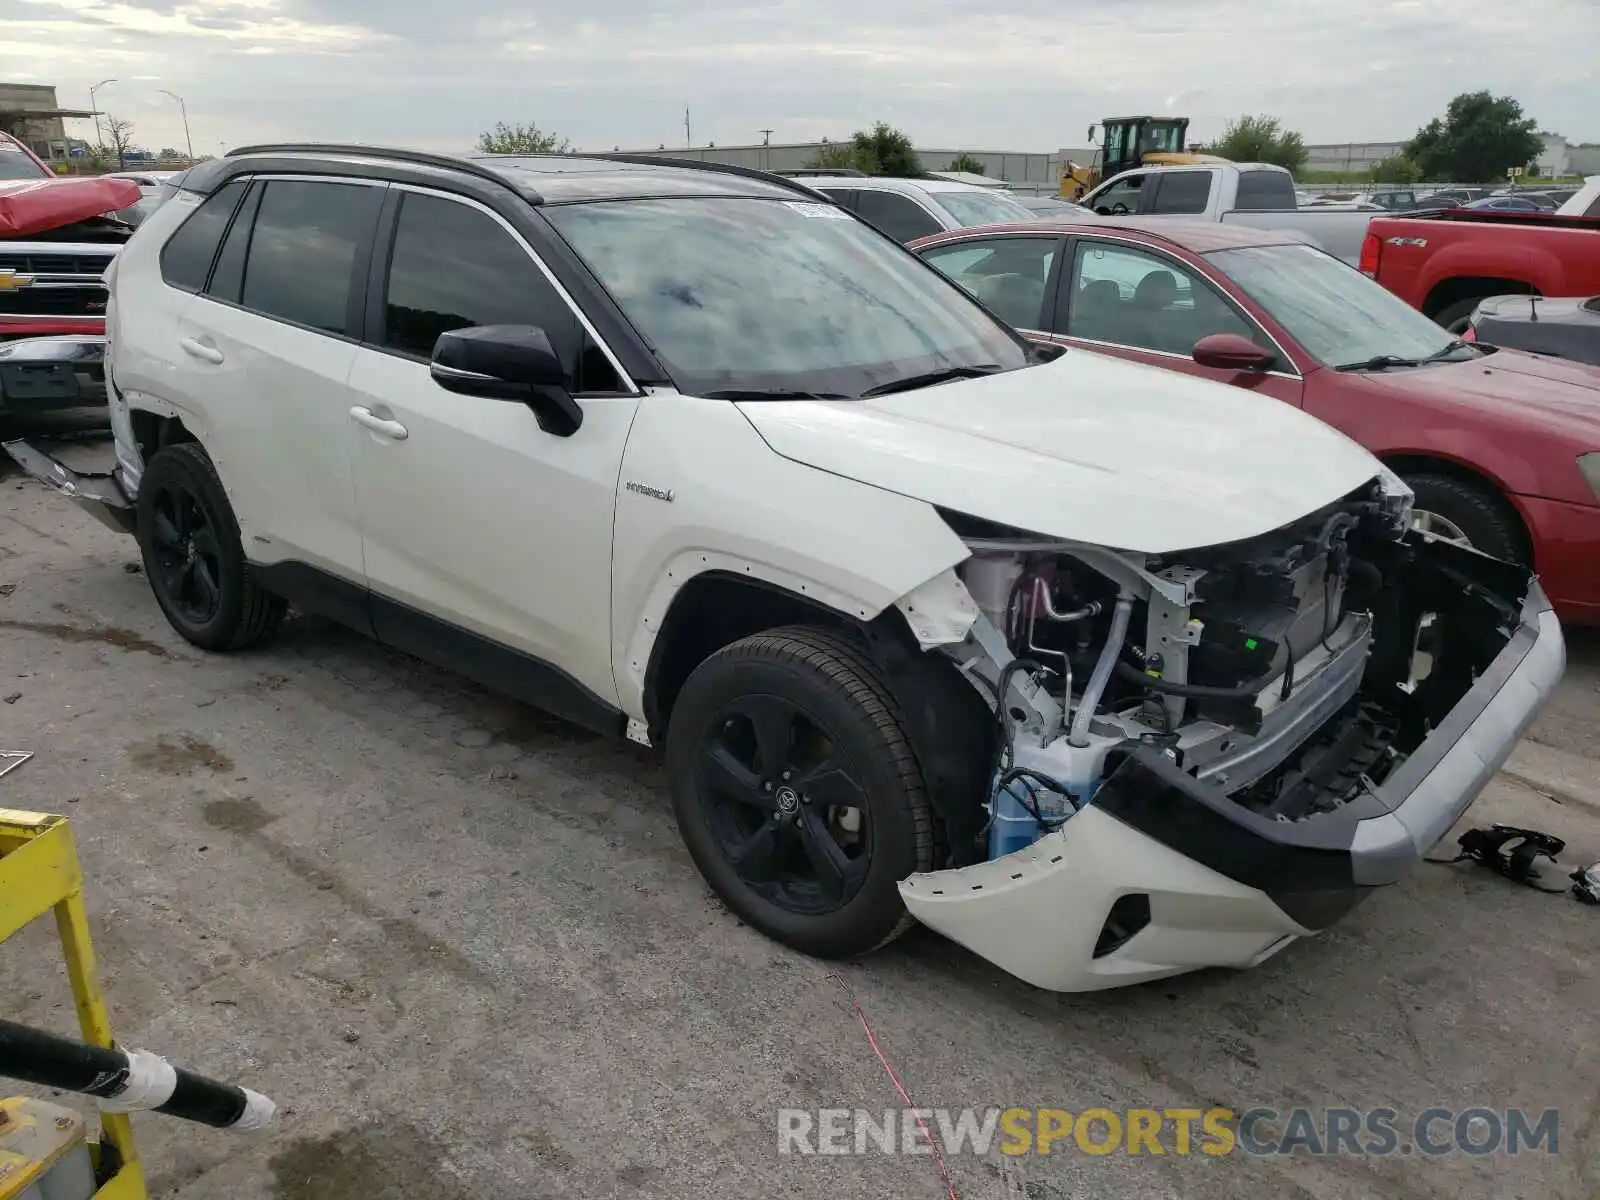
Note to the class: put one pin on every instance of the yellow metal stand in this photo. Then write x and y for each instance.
(39, 872)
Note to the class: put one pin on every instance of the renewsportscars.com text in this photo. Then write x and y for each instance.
(1260, 1132)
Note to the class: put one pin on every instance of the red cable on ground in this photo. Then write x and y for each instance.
(872, 1040)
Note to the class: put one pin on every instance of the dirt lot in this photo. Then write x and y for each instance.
(461, 944)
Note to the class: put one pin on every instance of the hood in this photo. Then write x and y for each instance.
(1087, 448)
(1569, 328)
(30, 206)
(1523, 388)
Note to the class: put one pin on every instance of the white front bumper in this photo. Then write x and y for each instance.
(1038, 913)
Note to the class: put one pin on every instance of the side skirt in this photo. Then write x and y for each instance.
(500, 668)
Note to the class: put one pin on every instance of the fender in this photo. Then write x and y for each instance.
(1475, 258)
(753, 515)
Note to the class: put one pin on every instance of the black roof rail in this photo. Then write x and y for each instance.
(448, 162)
(803, 172)
(695, 164)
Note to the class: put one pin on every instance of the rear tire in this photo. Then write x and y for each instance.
(1487, 521)
(193, 557)
(773, 743)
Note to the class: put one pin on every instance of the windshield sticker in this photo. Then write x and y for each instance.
(825, 212)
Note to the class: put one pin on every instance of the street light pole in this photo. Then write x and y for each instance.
(184, 109)
(99, 140)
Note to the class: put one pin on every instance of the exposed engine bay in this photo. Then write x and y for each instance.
(1293, 672)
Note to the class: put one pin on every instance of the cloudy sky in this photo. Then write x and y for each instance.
(1006, 74)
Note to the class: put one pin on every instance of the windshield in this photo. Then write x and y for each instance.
(780, 296)
(980, 208)
(16, 163)
(1334, 311)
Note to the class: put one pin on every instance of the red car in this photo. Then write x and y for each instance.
(1502, 448)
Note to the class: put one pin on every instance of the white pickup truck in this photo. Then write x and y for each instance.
(1254, 194)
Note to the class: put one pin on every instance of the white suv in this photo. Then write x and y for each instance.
(1102, 671)
(907, 209)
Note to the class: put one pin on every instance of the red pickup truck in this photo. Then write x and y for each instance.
(1443, 263)
(57, 237)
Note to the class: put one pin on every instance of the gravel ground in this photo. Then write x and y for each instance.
(460, 943)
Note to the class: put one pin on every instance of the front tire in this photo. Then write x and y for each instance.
(1461, 511)
(189, 540)
(797, 792)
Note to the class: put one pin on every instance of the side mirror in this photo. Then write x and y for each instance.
(1231, 352)
(508, 362)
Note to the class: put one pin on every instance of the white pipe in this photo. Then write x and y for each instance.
(1102, 671)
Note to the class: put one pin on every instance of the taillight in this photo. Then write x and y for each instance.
(1371, 249)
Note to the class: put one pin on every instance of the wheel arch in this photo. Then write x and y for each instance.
(154, 431)
(1472, 474)
(948, 722)
(1458, 288)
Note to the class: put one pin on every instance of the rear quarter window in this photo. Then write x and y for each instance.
(186, 258)
(1260, 190)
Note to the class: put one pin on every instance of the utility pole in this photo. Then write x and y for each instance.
(184, 109)
(687, 140)
(766, 136)
(99, 140)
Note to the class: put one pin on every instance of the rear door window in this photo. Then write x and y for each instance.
(1182, 193)
(901, 217)
(1263, 190)
(187, 256)
(309, 241)
(228, 276)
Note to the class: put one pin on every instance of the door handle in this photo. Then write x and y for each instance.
(203, 350)
(378, 425)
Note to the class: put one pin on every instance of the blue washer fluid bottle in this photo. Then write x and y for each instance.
(1013, 827)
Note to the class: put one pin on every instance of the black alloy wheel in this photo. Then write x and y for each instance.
(796, 789)
(788, 811)
(188, 556)
(193, 558)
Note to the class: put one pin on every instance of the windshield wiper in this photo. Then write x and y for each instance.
(1455, 345)
(1378, 362)
(944, 375)
(771, 394)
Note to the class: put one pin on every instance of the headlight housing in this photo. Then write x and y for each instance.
(1589, 464)
(1397, 496)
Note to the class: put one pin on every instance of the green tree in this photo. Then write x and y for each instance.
(969, 163)
(1261, 139)
(1397, 168)
(886, 150)
(1479, 138)
(521, 139)
(834, 156)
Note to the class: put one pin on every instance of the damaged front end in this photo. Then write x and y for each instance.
(1206, 754)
